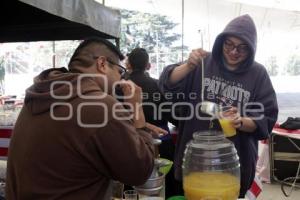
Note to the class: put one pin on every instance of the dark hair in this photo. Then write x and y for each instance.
(85, 56)
(138, 59)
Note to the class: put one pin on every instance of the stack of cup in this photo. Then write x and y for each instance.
(117, 190)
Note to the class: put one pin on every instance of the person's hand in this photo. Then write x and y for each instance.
(133, 96)
(155, 130)
(234, 116)
(195, 58)
(185, 68)
(132, 93)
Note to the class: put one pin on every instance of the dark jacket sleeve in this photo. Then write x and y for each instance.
(183, 86)
(266, 118)
(126, 152)
(164, 83)
(118, 150)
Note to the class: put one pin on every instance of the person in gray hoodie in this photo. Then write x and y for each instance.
(231, 78)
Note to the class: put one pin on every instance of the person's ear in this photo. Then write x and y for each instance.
(128, 65)
(148, 66)
(101, 65)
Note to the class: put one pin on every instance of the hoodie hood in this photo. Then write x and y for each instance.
(242, 27)
(56, 85)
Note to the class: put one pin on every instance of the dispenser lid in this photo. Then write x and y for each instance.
(211, 141)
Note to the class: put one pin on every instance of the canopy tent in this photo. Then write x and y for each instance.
(35, 20)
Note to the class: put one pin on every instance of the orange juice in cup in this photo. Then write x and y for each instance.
(227, 127)
(225, 119)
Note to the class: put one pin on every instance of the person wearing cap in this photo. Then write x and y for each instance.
(72, 137)
(232, 77)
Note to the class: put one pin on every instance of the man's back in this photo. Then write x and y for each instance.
(156, 108)
(51, 158)
(47, 161)
(151, 94)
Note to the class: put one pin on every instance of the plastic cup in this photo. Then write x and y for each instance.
(117, 190)
(225, 121)
(227, 127)
(130, 195)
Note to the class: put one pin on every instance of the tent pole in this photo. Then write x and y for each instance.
(182, 29)
(53, 56)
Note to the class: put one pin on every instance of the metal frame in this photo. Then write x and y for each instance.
(284, 156)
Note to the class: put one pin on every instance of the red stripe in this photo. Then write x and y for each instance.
(264, 141)
(5, 133)
(282, 130)
(255, 189)
(3, 151)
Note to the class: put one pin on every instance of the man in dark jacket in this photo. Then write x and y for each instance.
(138, 60)
(153, 105)
(231, 78)
(72, 137)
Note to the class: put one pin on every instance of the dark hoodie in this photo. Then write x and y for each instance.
(60, 159)
(248, 84)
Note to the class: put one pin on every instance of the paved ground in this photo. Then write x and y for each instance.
(273, 192)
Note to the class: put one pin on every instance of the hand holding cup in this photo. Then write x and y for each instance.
(230, 120)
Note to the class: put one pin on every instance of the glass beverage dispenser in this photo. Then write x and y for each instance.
(211, 169)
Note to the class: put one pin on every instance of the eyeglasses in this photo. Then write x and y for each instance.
(241, 48)
(122, 70)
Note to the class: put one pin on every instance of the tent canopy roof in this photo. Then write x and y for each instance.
(36, 20)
